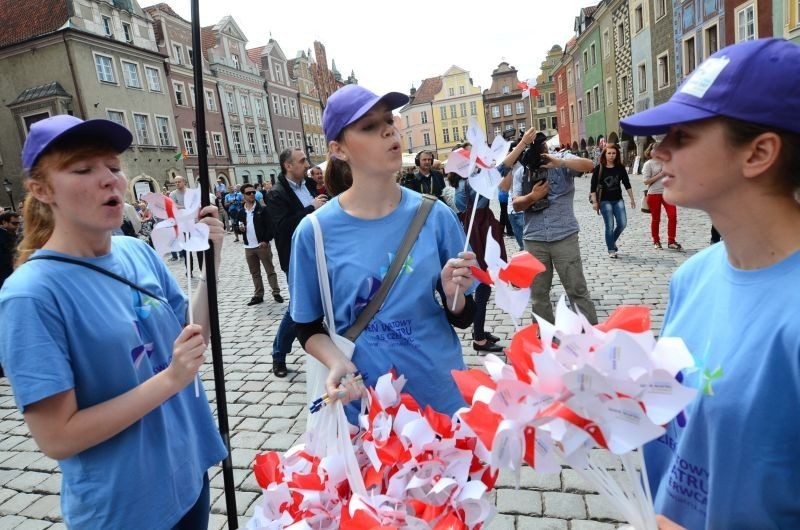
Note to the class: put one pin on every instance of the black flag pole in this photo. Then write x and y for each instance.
(211, 274)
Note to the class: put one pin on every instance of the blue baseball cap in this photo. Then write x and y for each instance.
(756, 81)
(349, 103)
(64, 127)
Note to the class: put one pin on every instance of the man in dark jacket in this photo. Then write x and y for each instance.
(427, 180)
(293, 197)
(9, 226)
(256, 228)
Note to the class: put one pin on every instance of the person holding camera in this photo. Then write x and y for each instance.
(545, 191)
(608, 178)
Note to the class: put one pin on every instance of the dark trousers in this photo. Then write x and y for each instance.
(505, 222)
(482, 293)
(715, 237)
(284, 338)
(197, 517)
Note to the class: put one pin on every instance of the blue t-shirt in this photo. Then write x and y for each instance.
(235, 201)
(410, 332)
(62, 327)
(730, 460)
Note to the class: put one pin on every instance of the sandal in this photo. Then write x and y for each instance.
(612, 254)
(657, 246)
(675, 246)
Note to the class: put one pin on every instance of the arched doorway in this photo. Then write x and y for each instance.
(613, 138)
(574, 147)
(142, 185)
(591, 141)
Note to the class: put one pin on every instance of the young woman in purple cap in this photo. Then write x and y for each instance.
(362, 227)
(94, 342)
(732, 149)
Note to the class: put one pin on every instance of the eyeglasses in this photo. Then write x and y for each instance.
(249, 193)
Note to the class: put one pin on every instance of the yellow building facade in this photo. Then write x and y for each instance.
(453, 106)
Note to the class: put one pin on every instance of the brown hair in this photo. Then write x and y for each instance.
(617, 160)
(787, 165)
(39, 223)
(338, 177)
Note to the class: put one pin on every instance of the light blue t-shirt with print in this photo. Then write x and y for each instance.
(410, 332)
(66, 327)
(730, 460)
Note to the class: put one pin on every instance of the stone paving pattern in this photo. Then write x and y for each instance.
(266, 413)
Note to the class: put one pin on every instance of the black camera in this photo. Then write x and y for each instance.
(532, 160)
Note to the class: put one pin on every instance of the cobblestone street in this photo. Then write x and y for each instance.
(268, 413)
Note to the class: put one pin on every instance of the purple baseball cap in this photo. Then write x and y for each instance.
(62, 127)
(756, 81)
(349, 103)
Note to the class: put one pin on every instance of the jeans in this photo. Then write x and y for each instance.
(655, 201)
(615, 220)
(482, 293)
(284, 338)
(505, 223)
(518, 224)
(565, 257)
(197, 516)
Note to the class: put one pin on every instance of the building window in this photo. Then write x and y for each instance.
(282, 140)
(709, 6)
(211, 104)
(521, 127)
(446, 133)
(451, 91)
(456, 135)
(463, 109)
(319, 116)
(245, 101)
(505, 89)
(552, 96)
(497, 130)
(580, 109)
(588, 102)
(453, 111)
(461, 89)
(142, 125)
(265, 143)
(276, 105)
(128, 32)
(190, 52)
(542, 124)
(562, 112)
(495, 111)
(443, 112)
(426, 138)
(105, 68)
(464, 129)
(180, 99)
(217, 140)
(585, 61)
(746, 23)
(520, 107)
(298, 139)
(473, 108)
(606, 44)
(572, 113)
(230, 102)
(507, 109)
(596, 97)
(188, 142)
(277, 72)
(153, 78)
(107, 30)
(609, 94)
(251, 142)
(177, 53)
(593, 54)
(661, 8)
(285, 105)
(553, 122)
(561, 83)
(540, 101)
(642, 74)
(192, 97)
(292, 108)
(259, 107)
(621, 33)
(162, 127)
(304, 110)
(710, 40)
(237, 142)
(662, 70)
(117, 116)
(235, 61)
(423, 116)
(638, 19)
(408, 121)
(509, 126)
(569, 77)
(689, 58)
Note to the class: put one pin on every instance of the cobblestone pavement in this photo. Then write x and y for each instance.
(267, 413)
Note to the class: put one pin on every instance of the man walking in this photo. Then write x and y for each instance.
(551, 229)
(256, 229)
(427, 180)
(293, 197)
(233, 203)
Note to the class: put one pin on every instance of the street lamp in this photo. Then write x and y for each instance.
(8, 187)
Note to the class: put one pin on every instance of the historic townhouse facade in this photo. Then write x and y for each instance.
(174, 39)
(92, 59)
(544, 110)
(605, 24)
(504, 108)
(589, 56)
(699, 32)
(751, 19)
(454, 105)
(243, 101)
(572, 100)
(417, 127)
(284, 103)
(662, 52)
(310, 107)
(562, 104)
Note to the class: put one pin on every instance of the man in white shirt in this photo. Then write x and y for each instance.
(256, 228)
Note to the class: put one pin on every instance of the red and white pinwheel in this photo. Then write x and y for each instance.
(528, 88)
(179, 230)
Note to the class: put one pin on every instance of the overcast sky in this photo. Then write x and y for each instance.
(394, 45)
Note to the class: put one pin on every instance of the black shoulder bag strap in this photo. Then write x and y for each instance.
(394, 269)
(101, 270)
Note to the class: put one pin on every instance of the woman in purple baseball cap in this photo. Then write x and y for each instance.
(362, 227)
(732, 149)
(94, 342)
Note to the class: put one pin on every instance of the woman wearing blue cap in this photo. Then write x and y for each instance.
(732, 149)
(363, 227)
(93, 341)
